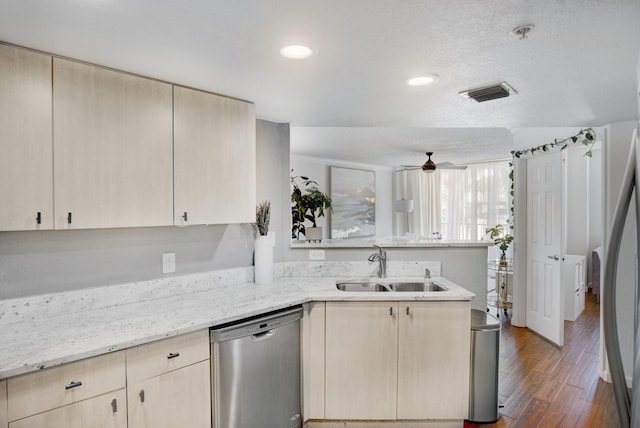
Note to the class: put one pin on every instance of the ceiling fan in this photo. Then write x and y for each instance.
(430, 166)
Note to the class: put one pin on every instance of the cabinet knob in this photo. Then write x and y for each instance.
(390, 311)
(114, 405)
(69, 218)
(39, 218)
(407, 310)
(173, 355)
(73, 385)
(184, 216)
(141, 394)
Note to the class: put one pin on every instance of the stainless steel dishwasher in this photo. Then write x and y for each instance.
(256, 372)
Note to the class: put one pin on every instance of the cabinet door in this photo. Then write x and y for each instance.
(113, 148)
(26, 160)
(215, 159)
(361, 360)
(313, 360)
(433, 360)
(4, 420)
(104, 411)
(180, 398)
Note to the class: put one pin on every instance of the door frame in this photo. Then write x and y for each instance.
(519, 307)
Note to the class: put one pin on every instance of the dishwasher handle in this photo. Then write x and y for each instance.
(263, 334)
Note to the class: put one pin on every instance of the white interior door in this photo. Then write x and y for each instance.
(544, 243)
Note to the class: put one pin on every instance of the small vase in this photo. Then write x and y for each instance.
(503, 260)
(263, 260)
(313, 234)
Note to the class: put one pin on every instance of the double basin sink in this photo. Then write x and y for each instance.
(379, 286)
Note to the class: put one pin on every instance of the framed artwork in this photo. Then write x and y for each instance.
(353, 196)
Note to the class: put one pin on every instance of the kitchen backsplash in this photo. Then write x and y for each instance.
(60, 304)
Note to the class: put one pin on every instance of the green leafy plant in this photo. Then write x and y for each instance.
(263, 216)
(501, 239)
(587, 137)
(307, 203)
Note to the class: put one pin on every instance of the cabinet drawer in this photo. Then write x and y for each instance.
(104, 411)
(153, 359)
(58, 386)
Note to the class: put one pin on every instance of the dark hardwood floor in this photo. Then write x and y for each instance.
(542, 385)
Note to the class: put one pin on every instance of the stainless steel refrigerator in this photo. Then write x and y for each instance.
(628, 403)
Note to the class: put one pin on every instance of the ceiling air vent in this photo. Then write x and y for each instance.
(488, 93)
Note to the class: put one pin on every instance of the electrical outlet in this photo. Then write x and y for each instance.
(168, 262)
(316, 254)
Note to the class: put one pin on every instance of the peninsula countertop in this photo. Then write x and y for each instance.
(49, 330)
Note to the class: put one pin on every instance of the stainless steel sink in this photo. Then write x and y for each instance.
(401, 286)
(416, 286)
(361, 286)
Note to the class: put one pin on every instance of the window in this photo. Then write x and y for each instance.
(460, 204)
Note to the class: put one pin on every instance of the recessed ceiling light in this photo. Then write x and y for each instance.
(296, 51)
(423, 80)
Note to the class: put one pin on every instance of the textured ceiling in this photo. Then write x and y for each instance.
(577, 68)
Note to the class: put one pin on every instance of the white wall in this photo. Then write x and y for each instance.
(596, 221)
(577, 200)
(272, 175)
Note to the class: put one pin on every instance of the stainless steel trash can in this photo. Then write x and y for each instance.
(485, 351)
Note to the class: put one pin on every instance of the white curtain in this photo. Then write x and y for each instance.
(424, 189)
(460, 204)
(474, 199)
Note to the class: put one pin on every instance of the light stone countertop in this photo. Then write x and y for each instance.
(36, 336)
(398, 242)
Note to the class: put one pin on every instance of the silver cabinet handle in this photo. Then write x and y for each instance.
(173, 355)
(554, 257)
(73, 385)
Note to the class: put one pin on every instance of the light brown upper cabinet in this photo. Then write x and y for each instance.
(112, 136)
(26, 169)
(214, 158)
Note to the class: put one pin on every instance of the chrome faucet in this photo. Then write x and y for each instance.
(381, 258)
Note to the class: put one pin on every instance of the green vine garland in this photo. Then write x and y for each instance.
(586, 136)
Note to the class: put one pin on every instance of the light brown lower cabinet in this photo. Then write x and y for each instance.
(180, 398)
(161, 384)
(397, 360)
(3, 404)
(361, 360)
(169, 382)
(85, 393)
(104, 411)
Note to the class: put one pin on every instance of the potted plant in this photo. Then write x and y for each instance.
(263, 255)
(307, 203)
(501, 239)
